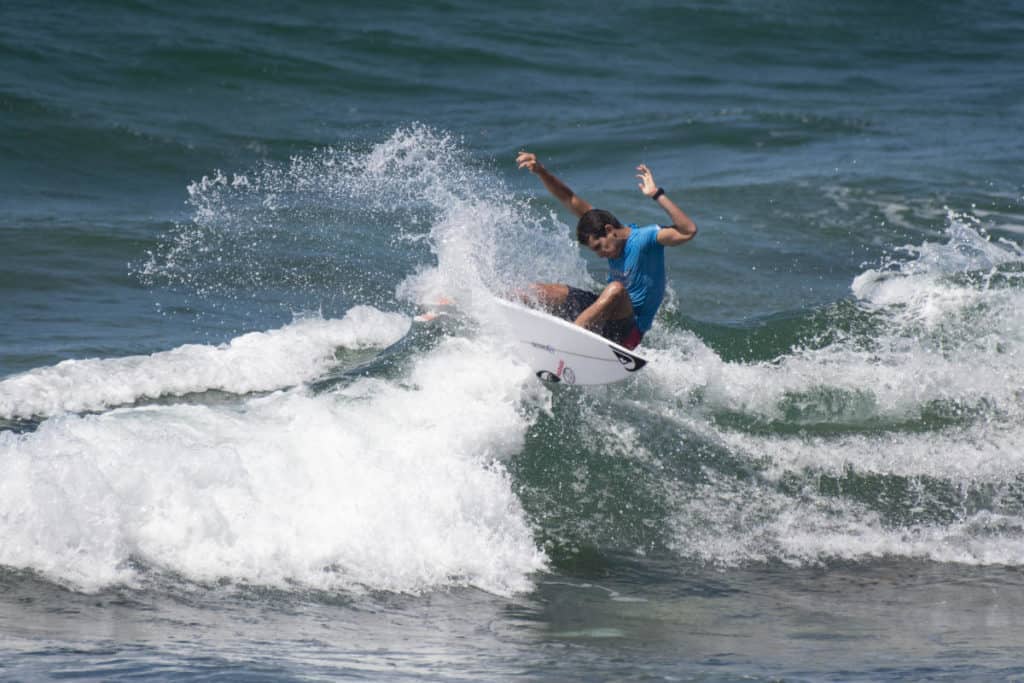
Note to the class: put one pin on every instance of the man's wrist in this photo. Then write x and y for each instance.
(657, 195)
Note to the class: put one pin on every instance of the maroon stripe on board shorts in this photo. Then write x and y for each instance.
(632, 339)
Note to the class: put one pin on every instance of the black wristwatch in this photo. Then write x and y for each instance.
(661, 191)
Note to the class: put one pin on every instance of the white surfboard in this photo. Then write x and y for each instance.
(559, 351)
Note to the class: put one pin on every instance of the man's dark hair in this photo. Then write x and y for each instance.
(592, 224)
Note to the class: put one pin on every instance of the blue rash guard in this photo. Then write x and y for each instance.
(641, 267)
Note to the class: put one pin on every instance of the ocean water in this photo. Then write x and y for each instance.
(228, 452)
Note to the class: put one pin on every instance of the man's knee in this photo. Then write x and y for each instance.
(615, 290)
(619, 303)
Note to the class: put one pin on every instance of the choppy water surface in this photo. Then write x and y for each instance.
(227, 449)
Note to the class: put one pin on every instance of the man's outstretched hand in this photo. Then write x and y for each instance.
(647, 184)
(528, 160)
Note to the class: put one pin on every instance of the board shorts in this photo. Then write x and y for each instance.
(623, 332)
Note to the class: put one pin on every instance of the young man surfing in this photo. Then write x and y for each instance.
(624, 310)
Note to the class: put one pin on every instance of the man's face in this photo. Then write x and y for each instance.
(606, 246)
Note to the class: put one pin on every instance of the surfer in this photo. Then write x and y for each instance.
(624, 310)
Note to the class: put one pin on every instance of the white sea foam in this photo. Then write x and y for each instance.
(381, 485)
(944, 339)
(731, 522)
(393, 484)
(978, 453)
(257, 361)
(399, 485)
(948, 352)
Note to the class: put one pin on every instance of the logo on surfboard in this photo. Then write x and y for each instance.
(563, 374)
(629, 362)
(543, 347)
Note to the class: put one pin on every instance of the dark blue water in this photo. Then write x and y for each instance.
(227, 451)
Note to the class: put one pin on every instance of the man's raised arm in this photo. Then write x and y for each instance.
(683, 229)
(556, 187)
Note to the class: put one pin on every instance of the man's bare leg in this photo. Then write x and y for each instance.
(550, 296)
